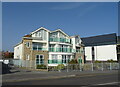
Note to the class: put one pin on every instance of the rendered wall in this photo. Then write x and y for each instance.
(18, 52)
(105, 52)
(102, 53)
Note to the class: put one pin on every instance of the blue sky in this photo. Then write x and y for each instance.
(79, 18)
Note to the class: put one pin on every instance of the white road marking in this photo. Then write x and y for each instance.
(108, 83)
(111, 83)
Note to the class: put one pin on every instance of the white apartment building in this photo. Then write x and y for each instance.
(49, 47)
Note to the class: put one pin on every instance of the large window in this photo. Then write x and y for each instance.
(39, 59)
(54, 59)
(64, 59)
(41, 34)
(38, 46)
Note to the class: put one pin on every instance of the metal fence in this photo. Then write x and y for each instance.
(24, 63)
(67, 67)
(86, 67)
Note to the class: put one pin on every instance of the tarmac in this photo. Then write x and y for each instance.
(18, 74)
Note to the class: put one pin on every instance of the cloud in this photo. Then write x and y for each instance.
(66, 6)
(88, 9)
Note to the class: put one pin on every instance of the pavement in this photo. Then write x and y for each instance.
(18, 74)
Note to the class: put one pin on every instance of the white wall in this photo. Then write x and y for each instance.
(88, 53)
(105, 52)
(102, 53)
(18, 51)
(73, 42)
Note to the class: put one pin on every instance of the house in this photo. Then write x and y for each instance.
(101, 47)
(51, 48)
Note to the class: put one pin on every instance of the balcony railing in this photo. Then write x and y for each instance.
(63, 40)
(60, 50)
(42, 49)
(58, 61)
(79, 51)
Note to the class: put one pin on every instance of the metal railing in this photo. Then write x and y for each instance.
(61, 66)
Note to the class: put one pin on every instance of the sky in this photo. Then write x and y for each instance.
(74, 18)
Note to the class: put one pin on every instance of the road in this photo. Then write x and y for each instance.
(86, 80)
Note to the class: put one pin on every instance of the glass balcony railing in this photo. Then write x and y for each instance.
(60, 61)
(79, 51)
(60, 50)
(42, 49)
(63, 40)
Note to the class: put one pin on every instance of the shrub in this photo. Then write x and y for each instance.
(41, 66)
(110, 61)
(73, 61)
(97, 61)
(60, 66)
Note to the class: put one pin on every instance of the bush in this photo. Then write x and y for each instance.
(60, 66)
(97, 61)
(110, 61)
(41, 66)
(73, 61)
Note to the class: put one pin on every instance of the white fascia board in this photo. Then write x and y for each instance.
(60, 31)
(18, 44)
(40, 29)
(39, 41)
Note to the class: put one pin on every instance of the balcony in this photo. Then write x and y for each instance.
(60, 50)
(63, 40)
(58, 61)
(39, 49)
(79, 51)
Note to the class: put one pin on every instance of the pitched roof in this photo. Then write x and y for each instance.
(105, 39)
(39, 29)
(60, 31)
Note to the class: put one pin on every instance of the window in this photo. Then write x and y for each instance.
(27, 44)
(39, 59)
(54, 58)
(27, 57)
(68, 57)
(39, 34)
(64, 59)
(37, 46)
(93, 55)
(80, 59)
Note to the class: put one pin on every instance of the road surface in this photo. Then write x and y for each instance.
(86, 80)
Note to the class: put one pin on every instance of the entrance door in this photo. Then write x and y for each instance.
(39, 59)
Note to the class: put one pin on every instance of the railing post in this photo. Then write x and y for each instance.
(102, 66)
(67, 65)
(80, 67)
(110, 66)
(92, 66)
(47, 66)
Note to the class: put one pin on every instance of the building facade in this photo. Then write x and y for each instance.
(100, 48)
(49, 47)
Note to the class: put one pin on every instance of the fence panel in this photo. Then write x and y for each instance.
(68, 67)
